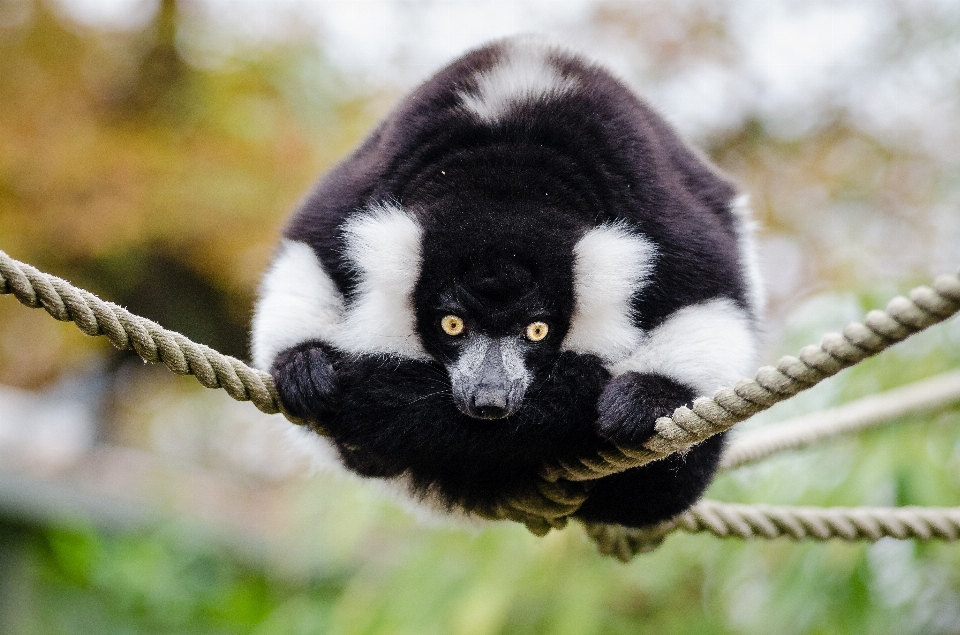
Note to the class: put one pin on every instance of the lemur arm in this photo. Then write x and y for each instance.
(693, 352)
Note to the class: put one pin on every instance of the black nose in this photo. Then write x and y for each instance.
(492, 412)
(490, 405)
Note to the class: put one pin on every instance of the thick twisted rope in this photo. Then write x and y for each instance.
(902, 318)
(753, 521)
(125, 330)
(927, 395)
(729, 520)
(565, 486)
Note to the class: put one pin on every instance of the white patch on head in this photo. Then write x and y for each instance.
(611, 265)
(383, 246)
(745, 227)
(298, 302)
(704, 346)
(524, 74)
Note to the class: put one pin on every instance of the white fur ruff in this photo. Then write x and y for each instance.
(299, 301)
(384, 247)
(611, 265)
(704, 346)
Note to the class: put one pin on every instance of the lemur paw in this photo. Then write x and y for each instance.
(306, 382)
(631, 404)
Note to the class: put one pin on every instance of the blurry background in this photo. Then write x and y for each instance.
(149, 152)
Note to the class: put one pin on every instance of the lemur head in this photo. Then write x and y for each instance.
(493, 308)
(493, 328)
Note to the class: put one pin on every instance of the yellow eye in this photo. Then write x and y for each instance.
(536, 331)
(452, 325)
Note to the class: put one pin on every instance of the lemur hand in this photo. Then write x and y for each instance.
(306, 382)
(631, 404)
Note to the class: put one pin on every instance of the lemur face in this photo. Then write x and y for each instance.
(493, 331)
(494, 312)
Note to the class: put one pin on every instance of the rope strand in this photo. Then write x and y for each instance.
(731, 520)
(928, 395)
(125, 330)
(903, 317)
(564, 487)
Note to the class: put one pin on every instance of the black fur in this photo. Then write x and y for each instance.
(399, 416)
(501, 206)
(631, 403)
(306, 382)
(656, 491)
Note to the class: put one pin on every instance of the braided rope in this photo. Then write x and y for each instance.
(125, 330)
(903, 317)
(730, 520)
(930, 394)
(565, 486)
(544, 508)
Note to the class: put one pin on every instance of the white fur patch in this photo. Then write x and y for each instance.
(611, 264)
(298, 302)
(383, 245)
(746, 228)
(704, 346)
(511, 355)
(471, 358)
(523, 75)
(319, 451)
(514, 365)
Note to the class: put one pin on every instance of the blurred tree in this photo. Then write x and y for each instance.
(840, 119)
(158, 84)
(156, 184)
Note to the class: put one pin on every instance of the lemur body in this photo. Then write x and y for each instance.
(523, 262)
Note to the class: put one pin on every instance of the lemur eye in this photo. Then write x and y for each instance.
(536, 331)
(452, 325)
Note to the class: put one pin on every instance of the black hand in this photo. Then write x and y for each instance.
(632, 402)
(306, 382)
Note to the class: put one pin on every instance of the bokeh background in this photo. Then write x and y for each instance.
(150, 151)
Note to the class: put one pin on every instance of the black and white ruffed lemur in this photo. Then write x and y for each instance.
(523, 262)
